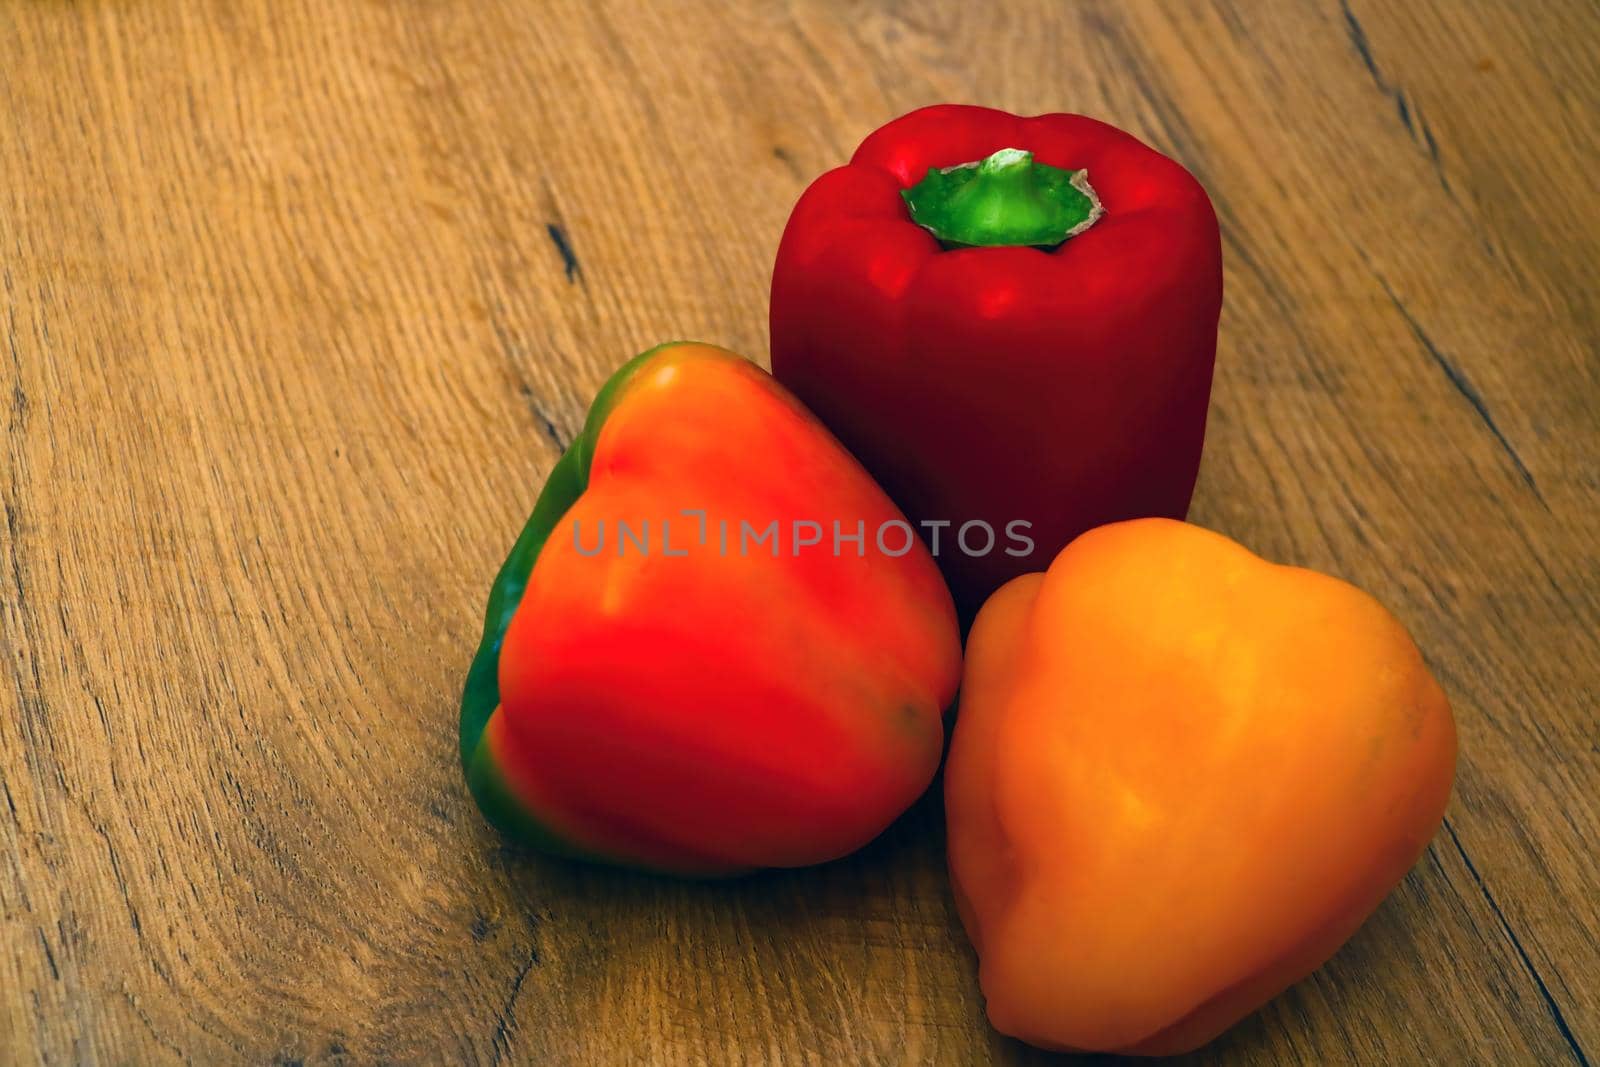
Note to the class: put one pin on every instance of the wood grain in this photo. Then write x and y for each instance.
(302, 299)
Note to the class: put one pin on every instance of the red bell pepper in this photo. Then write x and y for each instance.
(1020, 339)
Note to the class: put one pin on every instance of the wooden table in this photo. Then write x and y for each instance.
(301, 299)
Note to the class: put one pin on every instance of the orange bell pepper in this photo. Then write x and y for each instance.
(1181, 777)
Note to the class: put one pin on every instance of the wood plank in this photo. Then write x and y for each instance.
(300, 301)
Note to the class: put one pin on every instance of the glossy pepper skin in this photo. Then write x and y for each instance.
(1181, 777)
(694, 709)
(1065, 386)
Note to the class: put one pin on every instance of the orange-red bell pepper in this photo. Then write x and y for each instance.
(683, 667)
(1181, 777)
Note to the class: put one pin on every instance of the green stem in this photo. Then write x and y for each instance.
(1006, 200)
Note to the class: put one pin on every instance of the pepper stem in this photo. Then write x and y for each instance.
(1004, 200)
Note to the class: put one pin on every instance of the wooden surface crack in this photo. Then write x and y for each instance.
(569, 259)
(1556, 1013)
(1458, 379)
(506, 1021)
(1409, 112)
(515, 353)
